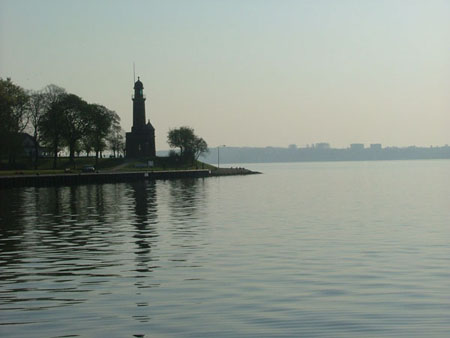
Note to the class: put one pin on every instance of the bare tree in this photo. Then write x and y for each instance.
(115, 139)
(38, 106)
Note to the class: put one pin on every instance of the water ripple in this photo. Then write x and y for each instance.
(298, 251)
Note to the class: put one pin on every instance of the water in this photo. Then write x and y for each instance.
(306, 249)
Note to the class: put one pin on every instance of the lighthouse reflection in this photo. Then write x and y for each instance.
(145, 220)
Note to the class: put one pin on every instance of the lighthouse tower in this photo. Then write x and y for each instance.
(140, 142)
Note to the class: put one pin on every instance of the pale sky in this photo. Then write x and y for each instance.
(246, 73)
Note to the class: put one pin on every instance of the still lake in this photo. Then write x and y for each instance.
(306, 249)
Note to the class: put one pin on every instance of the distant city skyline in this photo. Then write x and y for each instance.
(323, 152)
(246, 73)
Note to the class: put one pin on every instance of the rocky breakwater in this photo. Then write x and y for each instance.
(232, 172)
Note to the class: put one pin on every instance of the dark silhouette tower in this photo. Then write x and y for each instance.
(141, 141)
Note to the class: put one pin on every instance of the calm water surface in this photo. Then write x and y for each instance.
(307, 249)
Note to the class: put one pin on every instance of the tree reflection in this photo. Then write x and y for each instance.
(58, 222)
(184, 198)
(12, 210)
(59, 236)
(187, 205)
(76, 216)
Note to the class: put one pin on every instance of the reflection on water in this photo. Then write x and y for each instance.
(145, 236)
(59, 240)
(299, 251)
(90, 246)
(187, 209)
(145, 209)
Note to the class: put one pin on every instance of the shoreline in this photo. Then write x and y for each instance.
(43, 180)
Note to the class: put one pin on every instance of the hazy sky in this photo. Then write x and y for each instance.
(246, 73)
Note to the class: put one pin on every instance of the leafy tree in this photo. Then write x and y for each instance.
(180, 138)
(39, 105)
(50, 127)
(75, 121)
(102, 121)
(13, 116)
(191, 146)
(58, 120)
(64, 123)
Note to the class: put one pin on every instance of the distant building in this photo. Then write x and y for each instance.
(375, 146)
(29, 146)
(357, 146)
(140, 142)
(322, 145)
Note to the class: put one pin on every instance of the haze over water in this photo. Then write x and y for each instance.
(306, 249)
(246, 73)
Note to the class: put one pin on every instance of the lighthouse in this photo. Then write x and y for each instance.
(140, 142)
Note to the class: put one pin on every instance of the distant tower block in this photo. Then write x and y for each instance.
(140, 142)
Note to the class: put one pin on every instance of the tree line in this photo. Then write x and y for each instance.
(57, 120)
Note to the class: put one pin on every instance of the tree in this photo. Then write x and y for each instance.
(13, 116)
(191, 146)
(86, 145)
(39, 105)
(64, 123)
(75, 121)
(200, 147)
(115, 139)
(101, 123)
(37, 108)
(50, 126)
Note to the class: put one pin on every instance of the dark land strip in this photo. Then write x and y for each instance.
(40, 180)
